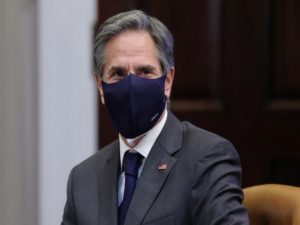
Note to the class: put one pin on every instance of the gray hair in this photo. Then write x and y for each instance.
(134, 20)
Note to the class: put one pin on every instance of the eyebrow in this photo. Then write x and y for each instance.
(114, 69)
(146, 67)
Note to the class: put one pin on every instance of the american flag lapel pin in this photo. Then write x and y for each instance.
(162, 166)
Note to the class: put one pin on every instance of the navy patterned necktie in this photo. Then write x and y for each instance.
(131, 162)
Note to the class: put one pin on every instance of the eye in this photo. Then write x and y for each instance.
(119, 73)
(115, 74)
(147, 71)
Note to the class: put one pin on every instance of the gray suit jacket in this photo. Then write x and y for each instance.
(201, 184)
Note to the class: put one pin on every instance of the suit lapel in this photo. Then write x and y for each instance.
(108, 174)
(157, 167)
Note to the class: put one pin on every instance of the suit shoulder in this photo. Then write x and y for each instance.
(200, 139)
(195, 133)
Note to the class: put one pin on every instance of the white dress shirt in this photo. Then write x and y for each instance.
(143, 147)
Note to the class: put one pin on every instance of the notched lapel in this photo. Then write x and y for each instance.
(156, 170)
(158, 166)
(107, 187)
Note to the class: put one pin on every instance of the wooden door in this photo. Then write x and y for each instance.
(237, 74)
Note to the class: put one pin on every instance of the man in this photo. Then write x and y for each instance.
(160, 171)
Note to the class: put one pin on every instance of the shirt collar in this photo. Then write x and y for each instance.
(145, 144)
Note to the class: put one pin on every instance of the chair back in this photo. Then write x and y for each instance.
(273, 204)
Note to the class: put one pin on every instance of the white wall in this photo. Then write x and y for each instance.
(67, 105)
(47, 104)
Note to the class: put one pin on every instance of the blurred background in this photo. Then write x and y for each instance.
(237, 74)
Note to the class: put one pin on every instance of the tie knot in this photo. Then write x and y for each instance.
(132, 162)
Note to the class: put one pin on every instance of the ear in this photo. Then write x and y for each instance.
(100, 88)
(169, 82)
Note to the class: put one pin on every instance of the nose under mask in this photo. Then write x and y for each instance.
(135, 104)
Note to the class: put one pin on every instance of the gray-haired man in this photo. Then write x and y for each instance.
(160, 171)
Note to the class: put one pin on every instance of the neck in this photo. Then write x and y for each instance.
(134, 142)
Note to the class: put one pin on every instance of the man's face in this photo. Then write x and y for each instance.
(132, 52)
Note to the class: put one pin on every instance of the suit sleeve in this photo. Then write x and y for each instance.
(216, 190)
(69, 216)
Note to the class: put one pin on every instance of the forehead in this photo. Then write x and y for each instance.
(131, 43)
(131, 49)
(136, 37)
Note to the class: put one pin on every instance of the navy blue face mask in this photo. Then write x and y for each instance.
(135, 104)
